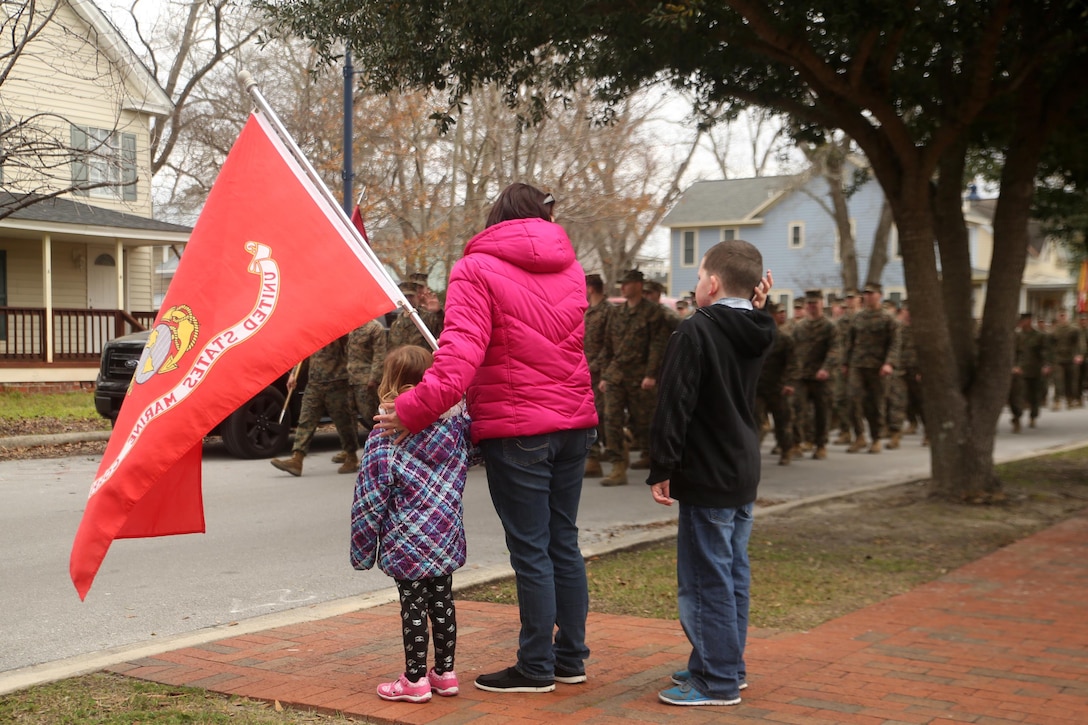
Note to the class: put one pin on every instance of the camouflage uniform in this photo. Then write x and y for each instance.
(402, 331)
(781, 369)
(1068, 344)
(634, 346)
(596, 318)
(874, 342)
(840, 393)
(366, 357)
(817, 348)
(904, 390)
(327, 391)
(1032, 354)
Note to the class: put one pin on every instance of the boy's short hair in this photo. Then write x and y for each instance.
(738, 264)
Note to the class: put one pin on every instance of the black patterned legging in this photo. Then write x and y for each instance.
(420, 600)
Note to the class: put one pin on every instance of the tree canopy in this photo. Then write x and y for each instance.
(916, 85)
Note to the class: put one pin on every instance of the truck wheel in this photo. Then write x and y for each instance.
(254, 430)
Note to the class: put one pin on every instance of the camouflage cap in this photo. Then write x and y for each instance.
(873, 287)
(814, 294)
(409, 288)
(653, 285)
(632, 275)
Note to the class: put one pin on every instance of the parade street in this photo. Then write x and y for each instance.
(276, 544)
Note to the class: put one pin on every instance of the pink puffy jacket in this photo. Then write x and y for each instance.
(512, 338)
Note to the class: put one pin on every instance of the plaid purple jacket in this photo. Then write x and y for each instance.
(407, 512)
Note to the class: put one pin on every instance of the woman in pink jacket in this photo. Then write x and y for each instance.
(512, 342)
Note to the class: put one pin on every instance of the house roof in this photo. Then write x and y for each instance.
(713, 203)
(59, 215)
(146, 96)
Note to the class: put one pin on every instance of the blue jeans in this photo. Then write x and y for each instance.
(536, 486)
(714, 578)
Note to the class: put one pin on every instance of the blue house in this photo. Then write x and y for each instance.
(788, 219)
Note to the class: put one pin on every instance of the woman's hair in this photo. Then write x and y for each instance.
(521, 201)
(404, 368)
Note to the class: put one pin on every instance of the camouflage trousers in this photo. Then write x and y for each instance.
(905, 400)
(334, 399)
(842, 409)
(869, 391)
(814, 402)
(627, 402)
(1066, 381)
(599, 403)
(1027, 393)
(364, 402)
(780, 407)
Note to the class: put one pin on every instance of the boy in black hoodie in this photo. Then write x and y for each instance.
(704, 453)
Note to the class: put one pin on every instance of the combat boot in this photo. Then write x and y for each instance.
(292, 465)
(784, 459)
(643, 462)
(857, 445)
(820, 453)
(593, 468)
(893, 443)
(1015, 425)
(618, 476)
(875, 448)
(340, 457)
(350, 464)
(844, 438)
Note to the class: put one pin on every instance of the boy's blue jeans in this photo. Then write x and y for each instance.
(714, 578)
(536, 486)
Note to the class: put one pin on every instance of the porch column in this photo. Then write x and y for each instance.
(47, 296)
(119, 254)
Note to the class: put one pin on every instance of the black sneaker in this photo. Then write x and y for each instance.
(569, 677)
(510, 680)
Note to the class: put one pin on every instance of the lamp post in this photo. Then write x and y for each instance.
(346, 173)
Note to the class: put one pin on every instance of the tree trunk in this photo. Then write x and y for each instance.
(961, 440)
(833, 163)
(879, 258)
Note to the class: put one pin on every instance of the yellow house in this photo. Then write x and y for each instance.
(76, 219)
(1049, 283)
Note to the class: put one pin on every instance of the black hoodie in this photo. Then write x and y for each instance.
(704, 437)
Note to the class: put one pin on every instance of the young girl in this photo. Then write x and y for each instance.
(407, 514)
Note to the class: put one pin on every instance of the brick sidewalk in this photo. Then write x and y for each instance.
(1002, 640)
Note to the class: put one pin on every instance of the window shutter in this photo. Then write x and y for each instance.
(128, 166)
(79, 164)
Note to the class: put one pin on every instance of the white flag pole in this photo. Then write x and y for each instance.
(247, 81)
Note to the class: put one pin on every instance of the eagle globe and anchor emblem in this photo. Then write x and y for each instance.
(174, 335)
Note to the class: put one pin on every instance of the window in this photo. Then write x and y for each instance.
(107, 157)
(797, 235)
(687, 248)
(730, 233)
(785, 301)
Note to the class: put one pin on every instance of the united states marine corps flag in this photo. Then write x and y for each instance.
(273, 271)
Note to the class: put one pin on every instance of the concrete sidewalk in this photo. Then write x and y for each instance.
(1001, 640)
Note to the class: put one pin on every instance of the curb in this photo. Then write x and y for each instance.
(49, 439)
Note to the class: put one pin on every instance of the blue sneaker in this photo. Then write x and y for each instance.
(687, 695)
(681, 676)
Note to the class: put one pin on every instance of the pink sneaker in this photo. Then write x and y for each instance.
(444, 684)
(401, 690)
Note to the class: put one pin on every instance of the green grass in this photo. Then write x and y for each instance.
(62, 406)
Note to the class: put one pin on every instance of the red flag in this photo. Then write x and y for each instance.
(357, 220)
(272, 272)
(1082, 288)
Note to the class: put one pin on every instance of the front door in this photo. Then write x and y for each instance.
(101, 278)
(101, 295)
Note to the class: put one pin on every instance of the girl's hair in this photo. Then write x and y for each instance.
(404, 368)
(521, 201)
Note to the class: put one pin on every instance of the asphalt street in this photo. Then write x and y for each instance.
(276, 546)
